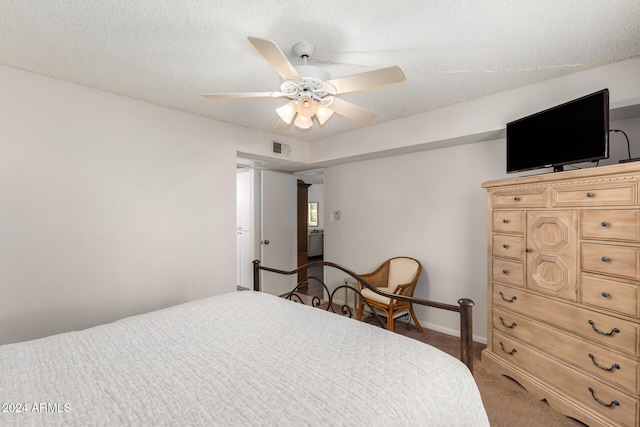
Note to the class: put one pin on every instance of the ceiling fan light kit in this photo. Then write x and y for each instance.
(311, 90)
(287, 112)
(303, 122)
(323, 114)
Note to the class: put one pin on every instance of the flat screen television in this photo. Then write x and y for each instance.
(573, 132)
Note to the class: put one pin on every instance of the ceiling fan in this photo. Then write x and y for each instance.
(310, 89)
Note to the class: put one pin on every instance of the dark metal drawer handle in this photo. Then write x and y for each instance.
(505, 246)
(614, 366)
(513, 298)
(604, 224)
(505, 271)
(505, 221)
(505, 350)
(517, 199)
(511, 326)
(613, 331)
(605, 259)
(608, 405)
(605, 294)
(590, 194)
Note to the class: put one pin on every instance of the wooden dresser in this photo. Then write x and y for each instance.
(564, 289)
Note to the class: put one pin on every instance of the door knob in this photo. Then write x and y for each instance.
(264, 242)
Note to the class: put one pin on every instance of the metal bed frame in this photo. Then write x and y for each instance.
(464, 307)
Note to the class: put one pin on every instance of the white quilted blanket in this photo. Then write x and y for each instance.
(244, 358)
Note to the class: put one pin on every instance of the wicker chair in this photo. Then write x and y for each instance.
(399, 276)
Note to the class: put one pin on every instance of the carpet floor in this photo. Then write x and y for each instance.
(506, 402)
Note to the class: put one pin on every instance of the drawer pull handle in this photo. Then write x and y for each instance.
(528, 250)
(608, 405)
(511, 326)
(505, 221)
(517, 199)
(613, 331)
(614, 366)
(605, 259)
(605, 294)
(590, 194)
(505, 271)
(505, 246)
(505, 350)
(605, 224)
(513, 298)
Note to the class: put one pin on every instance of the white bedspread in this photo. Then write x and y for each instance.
(244, 358)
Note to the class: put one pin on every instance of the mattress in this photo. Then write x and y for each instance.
(243, 358)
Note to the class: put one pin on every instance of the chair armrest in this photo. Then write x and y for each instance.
(400, 288)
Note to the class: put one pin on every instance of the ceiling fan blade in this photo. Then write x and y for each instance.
(369, 80)
(352, 111)
(272, 54)
(239, 95)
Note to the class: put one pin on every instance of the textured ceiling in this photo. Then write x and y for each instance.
(169, 52)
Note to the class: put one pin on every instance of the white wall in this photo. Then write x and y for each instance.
(484, 118)
(618, 143)
(109, 206)
(428, 205)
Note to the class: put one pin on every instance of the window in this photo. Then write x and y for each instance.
(312, 214)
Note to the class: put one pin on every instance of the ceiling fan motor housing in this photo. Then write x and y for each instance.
(311, 71)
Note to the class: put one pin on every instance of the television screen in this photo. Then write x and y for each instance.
(576, 131)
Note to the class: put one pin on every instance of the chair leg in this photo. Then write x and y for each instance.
(390, 321)
(360, 307)
(415, 319)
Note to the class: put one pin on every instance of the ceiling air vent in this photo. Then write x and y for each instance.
(280, 148)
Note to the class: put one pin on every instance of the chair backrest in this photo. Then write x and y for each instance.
(402, 270)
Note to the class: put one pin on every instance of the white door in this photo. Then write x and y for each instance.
(245, 259)
(244, 195)
(243, 200)
(278, 238)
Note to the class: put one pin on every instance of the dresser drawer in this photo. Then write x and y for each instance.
(621, 261)
(618, 297)
(509, 272)
(595, 394)
(508, 247)
(530, 198)
(621, 194)
(607, 330)
(623, 225)
(597, 360)
(511, 222)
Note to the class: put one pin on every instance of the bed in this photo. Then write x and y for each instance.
(241, 358)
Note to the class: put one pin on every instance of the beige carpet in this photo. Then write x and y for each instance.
(506, 402)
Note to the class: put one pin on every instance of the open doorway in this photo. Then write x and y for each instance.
(266, 211)
(312, 224)
(253, 231)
